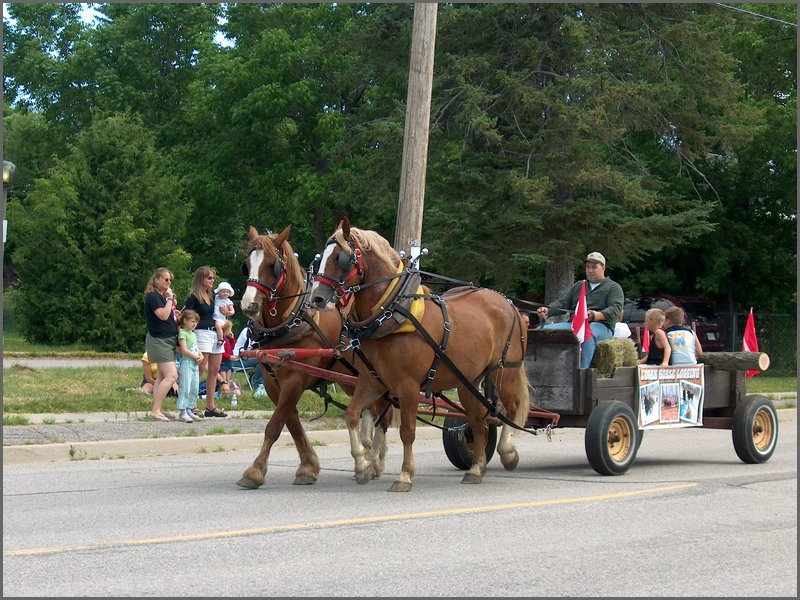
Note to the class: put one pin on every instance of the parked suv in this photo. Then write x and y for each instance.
(709, 327)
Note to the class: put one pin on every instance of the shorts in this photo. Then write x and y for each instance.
(207, 341)
(161, 350)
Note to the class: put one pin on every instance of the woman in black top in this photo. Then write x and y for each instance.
(201, 299)
(162, 337)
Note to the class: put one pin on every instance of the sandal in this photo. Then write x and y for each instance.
(158, 416)
(216, 412)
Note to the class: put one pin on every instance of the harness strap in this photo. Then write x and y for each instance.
(443, 347)
(492, 409)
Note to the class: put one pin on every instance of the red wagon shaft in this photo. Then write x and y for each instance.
(439, 406)
(284, 356)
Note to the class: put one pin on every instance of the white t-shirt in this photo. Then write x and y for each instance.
(218, 304)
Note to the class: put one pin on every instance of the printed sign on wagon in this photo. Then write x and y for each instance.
(670, 396)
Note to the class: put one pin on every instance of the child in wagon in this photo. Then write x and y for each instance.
(223, 308)
(660, 350)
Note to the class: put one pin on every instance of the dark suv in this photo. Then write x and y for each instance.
(708, 326)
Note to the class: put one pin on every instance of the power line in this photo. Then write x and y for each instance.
(760, 16)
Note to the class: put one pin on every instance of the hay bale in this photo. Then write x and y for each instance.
(613, 353)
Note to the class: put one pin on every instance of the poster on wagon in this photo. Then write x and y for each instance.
(670, 396)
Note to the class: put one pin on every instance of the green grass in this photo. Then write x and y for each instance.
(94, 389)
(15, 345)
(761, 384)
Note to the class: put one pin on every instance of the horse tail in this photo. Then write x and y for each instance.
(524, 397)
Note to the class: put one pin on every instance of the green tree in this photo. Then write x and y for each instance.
(750, 258)
(290, 126)
(553, 125)
(89, 235)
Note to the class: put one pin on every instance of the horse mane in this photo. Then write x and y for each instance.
(369, 241)
(294, 272)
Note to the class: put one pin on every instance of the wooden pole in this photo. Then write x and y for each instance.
(408, 230)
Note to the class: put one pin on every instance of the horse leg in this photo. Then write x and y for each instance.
(509, 456)
(255, 475)
(516, 400)
(474, 413)
(379, 440)
(363, 468)
(367, 430)
(308, 470)
(408, 433)
(285, 414)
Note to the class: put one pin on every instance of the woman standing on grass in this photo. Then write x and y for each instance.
(201, 300)
(162, 337)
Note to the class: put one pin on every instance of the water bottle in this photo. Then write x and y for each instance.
(234, 402)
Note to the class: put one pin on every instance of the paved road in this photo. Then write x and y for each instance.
(688, 520)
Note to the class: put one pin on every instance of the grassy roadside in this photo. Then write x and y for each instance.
(94, 389)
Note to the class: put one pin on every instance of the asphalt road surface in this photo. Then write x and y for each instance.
(688, 519)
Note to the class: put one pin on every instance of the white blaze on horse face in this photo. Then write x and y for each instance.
(329, 250)
(249, 296)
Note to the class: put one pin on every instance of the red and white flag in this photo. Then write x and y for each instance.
(750, 343)
(580, 322)
(646, 340)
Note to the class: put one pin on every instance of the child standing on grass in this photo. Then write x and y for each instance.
(189, 370)
(226, 366)
(660, 350)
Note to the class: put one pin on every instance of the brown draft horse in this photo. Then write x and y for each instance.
(485, 336)
(275, 299)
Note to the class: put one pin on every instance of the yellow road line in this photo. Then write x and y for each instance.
(341, 522)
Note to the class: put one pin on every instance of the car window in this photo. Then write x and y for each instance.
(635, 309)
(700, 311)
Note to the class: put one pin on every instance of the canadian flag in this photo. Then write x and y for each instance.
(750, 343)
(580, 322)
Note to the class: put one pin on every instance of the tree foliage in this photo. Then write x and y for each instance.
(662, 135)
(88, 236)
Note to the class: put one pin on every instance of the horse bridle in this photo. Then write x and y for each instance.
(268, 289)
(351, 264)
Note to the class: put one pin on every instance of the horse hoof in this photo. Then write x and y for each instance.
(400, 486)
(510, 462)
(248, 483)
(304, 480)
(363, 477)
(471, 478)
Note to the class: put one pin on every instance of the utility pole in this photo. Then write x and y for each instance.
(408, 230)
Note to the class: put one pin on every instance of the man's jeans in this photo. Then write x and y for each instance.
(258, 377)
(600, 331)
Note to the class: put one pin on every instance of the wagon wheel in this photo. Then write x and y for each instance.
(457, 439)
(612, 438)
(755, 429)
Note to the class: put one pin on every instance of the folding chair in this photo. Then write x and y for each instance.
(238, 367)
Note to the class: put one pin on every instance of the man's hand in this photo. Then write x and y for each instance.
(542, 312)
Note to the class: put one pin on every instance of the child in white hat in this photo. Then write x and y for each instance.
(223, 308)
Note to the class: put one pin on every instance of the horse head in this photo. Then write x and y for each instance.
(272, 272)
(351, 259)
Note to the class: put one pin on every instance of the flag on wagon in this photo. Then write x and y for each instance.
(750, 343)
(580, 322)
(646, 340)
